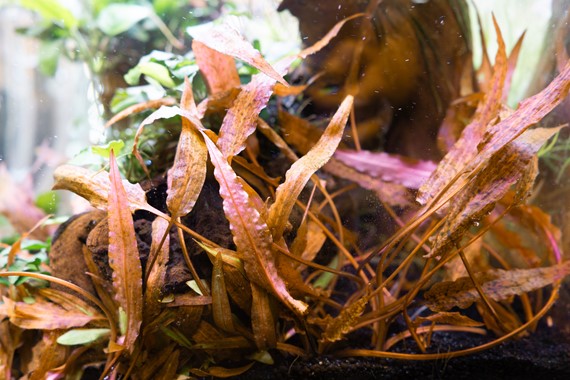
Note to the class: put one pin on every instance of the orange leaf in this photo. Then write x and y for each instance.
(220, 301)
(157, 275)
(497, 284)
(453, 318)
(124, 256)
(241, 119)
(46, 315)
(391, 193)
(250, 233)
(95, 187)
(186, 177)
(301, 171)
(514, 164)
(219, 70)
(227, 40)
(465, 149)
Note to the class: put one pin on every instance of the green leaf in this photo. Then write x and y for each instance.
(118, 18)
(48, 201)
(82, 336)
(105, 150)
(157, 72)
(53, 11)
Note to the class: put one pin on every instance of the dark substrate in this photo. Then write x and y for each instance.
(542, 355)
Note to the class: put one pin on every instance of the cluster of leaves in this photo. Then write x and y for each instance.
(103, 27)
(268, 290)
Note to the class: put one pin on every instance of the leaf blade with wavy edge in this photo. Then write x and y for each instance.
(302, 170)
(497, 285)
(465, 149)
(516, 164)
(157, 275)
(188, 172)
(124, 256)
(95, 187)
(46, 315)
(227, 40)
(219, 69)
(241, 119)
(250, 233)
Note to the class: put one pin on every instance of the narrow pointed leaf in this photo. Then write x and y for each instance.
(219, 70)
(227, 40)
(188, 172)
(241, 120)
(250, 233)
(496, 284)
(45, 315)
(157, 275)
(302, 170)
(95, 187)
(220, 301)
(124, 257)
(82, 336)
(514, 164)
(465, 149)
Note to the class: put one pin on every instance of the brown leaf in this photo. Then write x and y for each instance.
(137, 108)
(301, 171)
(237, 284)
(262, 319)
(188, 172)
(95, 187)
(530, 112)
(220, 302)
(48, 354)
(298, 132)
(250, 233)
(345, 321)
(222, 372)
(516, 164)
(496, 284)
(390, 193)
(219, 70)
(218, 103)
(465, 149)
(168, 371)
(449, 318)
(45, 315)
(227, 40)
(190, 299)
(324, 41)
(409, 172)
(157, 275)
(124, 256)
(241, 119)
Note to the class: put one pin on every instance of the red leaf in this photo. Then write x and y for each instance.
(188, 172)
(465, 149)
(124, 256)
(227, 40)
(241, 119)
(219, 70)
(301, 171)
(250, 233)
(402, 170)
